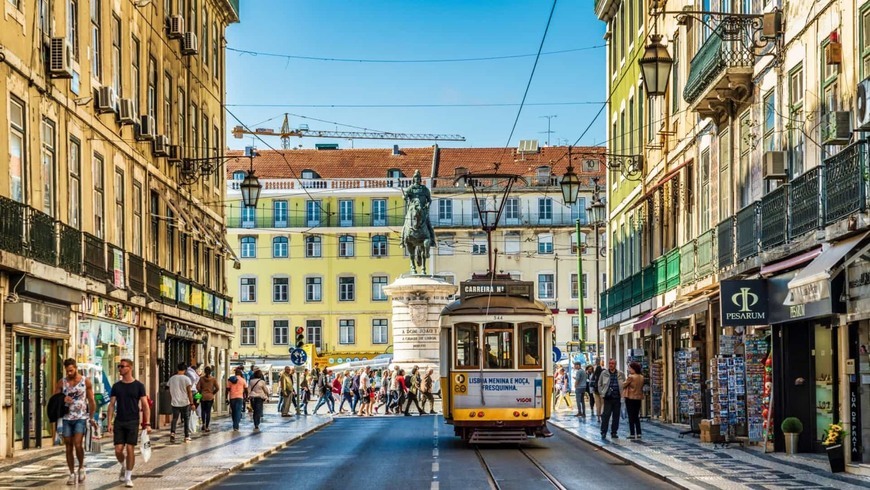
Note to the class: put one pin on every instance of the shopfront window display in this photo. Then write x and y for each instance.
(101, 345)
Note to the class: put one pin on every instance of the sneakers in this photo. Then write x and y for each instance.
(632, 437)
(128, 483)
(172, 437)
(72, 479)
(82, 474)
(614, 436)
(186, 440)
(122, 475)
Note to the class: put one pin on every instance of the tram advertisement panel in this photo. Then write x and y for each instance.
(510, 389)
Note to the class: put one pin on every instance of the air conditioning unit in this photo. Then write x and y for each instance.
(176, 27)
(173, 153)
(160, 146)
(125, 112)
(862, 105)
(145, 131)
(836, 128)
(60, 58)
(189, 45)
(106, 100)
(774, 165)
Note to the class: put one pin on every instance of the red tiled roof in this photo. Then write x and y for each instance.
(334, 164)
(509, 161)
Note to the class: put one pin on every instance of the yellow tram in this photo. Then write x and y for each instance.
(496, 361)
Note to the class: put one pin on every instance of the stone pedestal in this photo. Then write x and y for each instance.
(417, 304)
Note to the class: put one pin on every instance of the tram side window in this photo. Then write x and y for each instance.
(467, 346)
(530, 344)
(499, 345)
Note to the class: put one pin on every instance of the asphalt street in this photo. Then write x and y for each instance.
(422, 453)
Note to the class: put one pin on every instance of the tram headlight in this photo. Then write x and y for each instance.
(516, 414)
(472, 414)
(480, 414)
(525, 414)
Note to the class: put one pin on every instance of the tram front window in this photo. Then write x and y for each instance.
(499, 345)
(530, 343)
(467, 346)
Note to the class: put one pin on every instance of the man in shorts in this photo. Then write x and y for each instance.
(78, 398)
(128, 398)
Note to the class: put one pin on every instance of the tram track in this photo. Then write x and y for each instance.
(501, 480)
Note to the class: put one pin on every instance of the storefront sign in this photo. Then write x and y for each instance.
(778, 291)
(855, 420)
(170, 328)
(743, 303)
(111, 310)
(51, 318)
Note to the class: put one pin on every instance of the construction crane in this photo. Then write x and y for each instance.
(285, 133)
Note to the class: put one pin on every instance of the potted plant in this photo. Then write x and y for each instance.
(833, 442)
(791, 428)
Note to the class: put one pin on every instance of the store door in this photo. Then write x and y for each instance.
(793, 386)
(37, 368)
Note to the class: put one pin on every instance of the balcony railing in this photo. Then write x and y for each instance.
(12, 216)
(648, 279)
(725, 242)
(687, 263)
(94, 257)
(673, 269)
(774, 218)
(43, 238)
(136, 273)
(152, 281)
(722, 50)
(846, 176)
(268, 219)
(70, 256)
(806, 199)
(657, 278)
(747, 231)
(706, 264)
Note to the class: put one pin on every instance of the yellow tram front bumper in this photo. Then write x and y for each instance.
(492, 415)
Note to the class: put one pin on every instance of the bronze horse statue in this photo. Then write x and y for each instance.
(416, 237)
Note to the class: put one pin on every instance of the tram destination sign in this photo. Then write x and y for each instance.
(471, 289)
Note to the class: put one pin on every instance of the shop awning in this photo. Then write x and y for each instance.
(626, 326)
(685, 310)
(646, 320)
(813, 283)
(771, 269)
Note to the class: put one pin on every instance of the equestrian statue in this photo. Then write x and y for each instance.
(417, 233)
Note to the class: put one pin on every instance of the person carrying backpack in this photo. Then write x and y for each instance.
(412, 381)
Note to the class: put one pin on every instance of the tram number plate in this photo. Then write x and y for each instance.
(460, 384)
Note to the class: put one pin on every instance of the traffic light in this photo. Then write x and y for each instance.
(300, 337)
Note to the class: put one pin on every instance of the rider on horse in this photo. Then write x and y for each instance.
(421, 193)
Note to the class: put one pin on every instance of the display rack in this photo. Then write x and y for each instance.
(756, 353)
(688, 369)
(656, 379)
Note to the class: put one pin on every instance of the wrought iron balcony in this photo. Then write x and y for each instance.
(688, 271)
(846, 180)
(152, 281)
(70, 257)
(266, 218)
(805, 202)
(94, 257)
(12, 216)
(706, 263)
(720, 72)
(747, 231)
(774, 218)
(725, 242)
(43, 238)
(136, 272)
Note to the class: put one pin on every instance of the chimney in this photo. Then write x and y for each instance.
(396, 150)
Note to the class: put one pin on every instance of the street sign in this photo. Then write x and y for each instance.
(298, 356)
(557, 354)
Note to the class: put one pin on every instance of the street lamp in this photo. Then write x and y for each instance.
(655, 65)
(570, 185)
(251, 186)
(597, 215)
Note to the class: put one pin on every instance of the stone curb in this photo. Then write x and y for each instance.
(227, 472)
(621, 457)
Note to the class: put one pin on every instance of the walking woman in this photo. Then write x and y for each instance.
(346, 393)
(207, 386)
(258, 392)
(633, 387)
(561, 384)
(599, 403)
(591, 383)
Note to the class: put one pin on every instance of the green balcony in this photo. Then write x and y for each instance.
(720, 72)
(648, 275)
(725, 242)
(672, 277)
(706, 263)
(688, 269)
(661, 268)
(846, 176)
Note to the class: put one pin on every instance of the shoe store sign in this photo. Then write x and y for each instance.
(744, 303)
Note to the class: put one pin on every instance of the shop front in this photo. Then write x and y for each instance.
(107, 332)
(857, 360)
(177, 342)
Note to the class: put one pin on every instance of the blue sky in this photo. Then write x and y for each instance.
(417, 30)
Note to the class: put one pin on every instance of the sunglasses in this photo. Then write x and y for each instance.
(122, 366)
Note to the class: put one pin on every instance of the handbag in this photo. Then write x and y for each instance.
(145, 445)
(193, 423)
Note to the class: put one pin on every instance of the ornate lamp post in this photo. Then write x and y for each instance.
(597, 215)
(570, 185)
(251, 186)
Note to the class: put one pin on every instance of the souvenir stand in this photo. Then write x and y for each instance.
(657, 384)
(688, 369)
(638, 356)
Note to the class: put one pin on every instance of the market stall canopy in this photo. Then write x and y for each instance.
(813, 283)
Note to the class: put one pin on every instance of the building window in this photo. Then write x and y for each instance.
(119, 208)
(345, 246)
(574, 286)
(346, 288)
(445, 211)
(96, 51)
(280, 332)
(511, 243)
(116, 54)
(154, 200)
(203, 41)
(312, 213)
(546, 286)
(313, 334)
(182, 119)
(704, 195)
(378, 283)
(249, 247)
(724, 175)
(345, 212)
(280, 289)
(134, 75)
(864, 49)
(313, 289)
(545, 244)
(578, 211)
(152, 88)
(379, 212)
(744, 176)
(796, 136)
(248, 334)
(248, 289)
(72, 23)
(280, 247)
(478, 245)
(214, 51)
(379, 246)
(249, 216)
(347, 331)
(137, 218)
(194, 130)
(769, 143)
(575, 329)
(676, 90)
(574, 243)
(17, 162)
(167, 106)
(312, 246)
(545, 208)
(49, 165)
(379, 331)
(99, 192)
(512, 210)
(279, 213)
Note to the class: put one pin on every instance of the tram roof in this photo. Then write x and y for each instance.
(496, 305)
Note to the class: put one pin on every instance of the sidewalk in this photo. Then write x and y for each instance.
(172, 466)
(690, 464)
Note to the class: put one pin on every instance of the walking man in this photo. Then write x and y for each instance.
(128, 398)
(412, 381)
(426, 392)
(285, 383)
(579, 389)
(78, 397)
(610, 383)
(182, 401)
